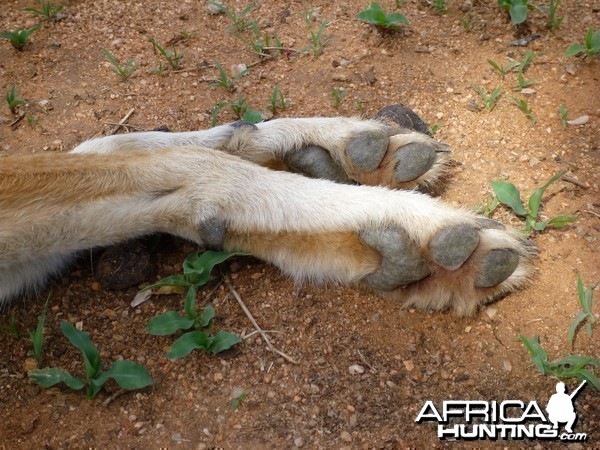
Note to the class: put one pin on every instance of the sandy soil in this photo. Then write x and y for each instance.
(408, 356)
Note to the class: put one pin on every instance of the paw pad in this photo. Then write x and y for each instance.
(316, 162)
(451, 247)
(402, 262)
(367, 149)
(496, 267)
(212, 233)
(413, 160)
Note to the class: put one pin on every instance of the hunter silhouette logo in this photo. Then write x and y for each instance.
(509, 419)
(560, 407)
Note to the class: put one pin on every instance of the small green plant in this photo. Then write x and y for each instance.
(173, 57)
(523, 83)
(123, 71)
(265, 45)
(236, 401)
(489, 205)
(317, 41)
(375, 15)
(37, 336)
(196, 272)
(47, 10)
(225, 81)
(516, 8)
(572, 366)
(12, 326)
(434, 128)
(502, 70)
(488, 100)
(590, 49)
(338, 93)
(510, 196)
(240, 23)
(19, 38)
(127, 374)
(243, 111)
(524, 107)
(277, 100)
(441, 6)
(586, 296)
(13, 100)
(526, 62)
(564, 115)
(553, 21)
(215, 112)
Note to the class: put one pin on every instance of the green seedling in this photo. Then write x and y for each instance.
(375, 15)
(434, 128)
(243, 111)
(12, 326)
(502, 70)
(13, 100)
(524, 107)
(264, 45)
(215, 113)
(240, 23)
(564, 115)
(527, 59)
(317, 41)
(338, 93)
(236, 401)
(441, 6)
(516, 8)
(590, 49)
(523, 83)
(124, 71)
(37, 336)
(196, 272)
(127, 374)
(173, 57)
(510, 196)
(225, 81)
(489, 205)
(19, 38)
(586, 297)
(488, 100)
(277, 100)
(47, 10)
(553, 21)
(572, 366)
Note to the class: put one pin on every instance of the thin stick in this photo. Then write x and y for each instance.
(270, 346)
(122, 121)
(574, 181)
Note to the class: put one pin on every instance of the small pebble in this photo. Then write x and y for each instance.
(298, 442)
(346, 437)
(355, 369)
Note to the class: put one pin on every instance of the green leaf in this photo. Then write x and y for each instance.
(508, 194)
(81, 340)
(518, 12)
(373, 15)
(236, 402)
(538, 226)
(561, 221)
(595, 42)
(188, 343)
(580, 317)
(574, 49)
(202, 265)
(49, 377)
(577, 361)
(252, 116)
(127, 374)
(536, 198)
(168, 323)
(395, 18)
(190, 303)
(590, 377)
(223, 341)
(207, 315)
